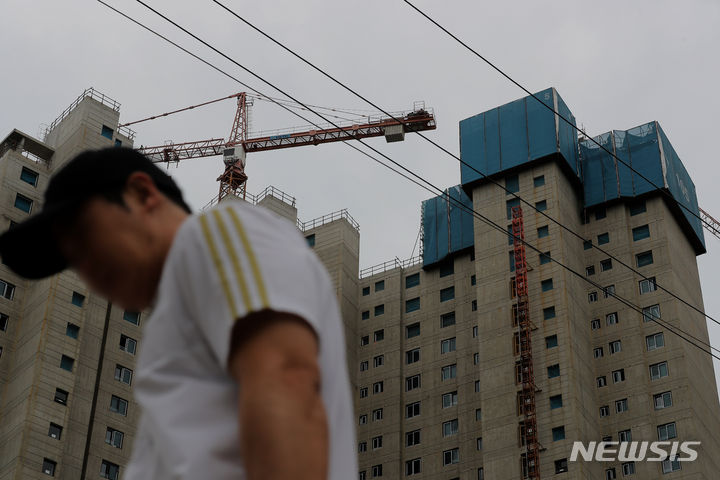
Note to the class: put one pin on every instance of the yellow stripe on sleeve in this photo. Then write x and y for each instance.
(251, 257)
(218, 264)
(233, 259)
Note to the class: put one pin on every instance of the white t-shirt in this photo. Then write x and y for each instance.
(223, 264)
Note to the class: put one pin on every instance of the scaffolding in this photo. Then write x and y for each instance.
(531, 457)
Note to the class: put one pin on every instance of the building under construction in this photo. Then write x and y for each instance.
(483, 358)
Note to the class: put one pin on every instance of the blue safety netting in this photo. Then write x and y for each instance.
(515, 133)
(447, 224)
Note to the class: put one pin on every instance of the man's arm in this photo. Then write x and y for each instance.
(283, 426)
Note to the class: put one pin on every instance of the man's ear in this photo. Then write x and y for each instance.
(141, 188)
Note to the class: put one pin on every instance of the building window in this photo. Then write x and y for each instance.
(109, 470)
(618, 375)
(412, 410)
(78, 299)
(611, 318)
(366, 291)
(666, 431)
(412, 305)
(670, 465)
(55, 431)
(640, 232)
(604, 411)
(412, 382)
(29, 176)
(603, 238)
(447, 345)
(595, 324)
(72, 330)
(106, 132)
(647, 285)
(128, 344)
(448, 372)
(310, 240)
(7, 290)
(553, 370)
(49, 466)
(473, 306)
(365, 315)
(362, 419)
(476, 358)
(615, 346)
(412, 467)
(628, 468)
(597, 352)
(412, 280)
(637, 207)
(378, 361)
(605, 265)
(539, 181)
(379, 335)
(551, 341)
(515, 202)
(377, 471)
(412, 438)
(590, 270)
(601, 381)
(412, 330)
(23, 203)
(561, 466)
(362, 447)
(558, 433)
(364, 365)
(364, 340)
(447, 294)
(475, 331)
(61, 396)
(379, 310)
(66, 363)
(450, 428)
(377, 414)
(512, 184)
(644, 258)
(378, 387)
(114, 437)
(447, 319)
(655, 341)
(592, 297)
(451, 456)
(610, 474)
(543, 231)
(546, 285)
(118, 405)
(621, 405)
(132, 317)
(511, 235)
(449, 399)
(545, 258)
(412, 356)
(556, 402)
(478, 414)
(541, 205)
(3, 322)
(662, 400)
(609, 291)
(473, 280)
(363, 392)
(587, 244)
(650, 313)
(123, 374)
(600, 213)
(447, 268)
(380, 285)
(658, 371)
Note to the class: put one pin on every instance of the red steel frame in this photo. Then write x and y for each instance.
(525, 328)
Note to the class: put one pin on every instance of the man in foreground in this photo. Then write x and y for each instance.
(241, 371)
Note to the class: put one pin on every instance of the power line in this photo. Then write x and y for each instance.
(473, 212)
(485, 176)
(579, 130)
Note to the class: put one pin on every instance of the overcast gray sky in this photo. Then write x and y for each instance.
(616, 64)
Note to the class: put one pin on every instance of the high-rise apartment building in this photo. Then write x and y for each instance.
(438, 357)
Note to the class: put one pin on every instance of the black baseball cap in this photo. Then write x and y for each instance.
(31, 249)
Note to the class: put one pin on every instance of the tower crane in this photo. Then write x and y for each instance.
(235, 149)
